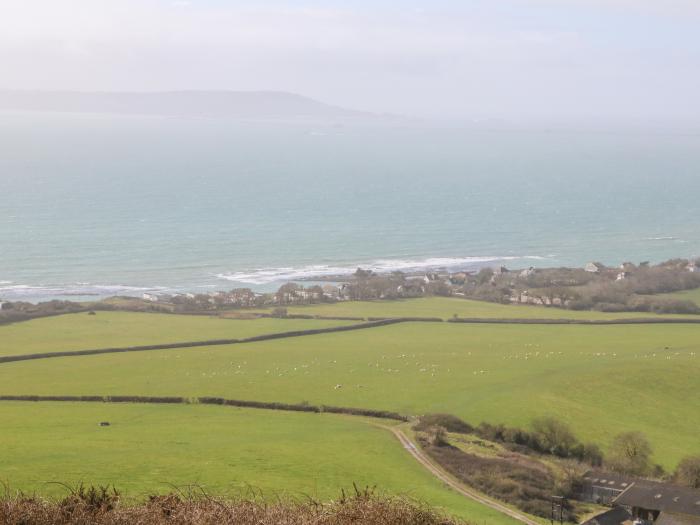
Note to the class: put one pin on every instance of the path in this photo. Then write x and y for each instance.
(439, 473)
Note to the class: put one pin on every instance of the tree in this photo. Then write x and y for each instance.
(688, 472)
(630, 453)
(554, 436)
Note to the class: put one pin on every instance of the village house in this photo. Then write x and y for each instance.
(693, 267)
(150, 297)
(594, 267)
(331, 292)
(622, 276)
(527, 273)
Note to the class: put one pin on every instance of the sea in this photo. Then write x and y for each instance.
(100, 205)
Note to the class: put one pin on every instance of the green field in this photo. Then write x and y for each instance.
(221, 450)
(446, 307)
(601, 379)
(111, 329)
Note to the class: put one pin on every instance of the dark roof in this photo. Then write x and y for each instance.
(665, 497)
(614, 516)
(668, 518)
(598, 478)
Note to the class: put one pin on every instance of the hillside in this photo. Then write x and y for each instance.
(237, 104)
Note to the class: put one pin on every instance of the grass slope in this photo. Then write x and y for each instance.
(446, 307)
(109, 329)
(601, 379)
(153, 448)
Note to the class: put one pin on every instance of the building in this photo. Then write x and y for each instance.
(150, 297)
(693, 267)
(651, 502)
(594, 267)
(603, 487)
(622, 276)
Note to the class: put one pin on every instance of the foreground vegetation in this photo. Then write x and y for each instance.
(102, 506)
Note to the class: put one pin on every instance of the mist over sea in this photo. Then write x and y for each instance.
(95, 205)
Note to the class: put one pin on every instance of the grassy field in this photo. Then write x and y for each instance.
(109, 329)
(687, 295)
(600, 379)
(150, 449)
(446, 307)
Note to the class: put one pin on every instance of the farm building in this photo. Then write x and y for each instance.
(661, 503)
(603, 487)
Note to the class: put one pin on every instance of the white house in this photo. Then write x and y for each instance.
(693, 267)
(593, 267)
(150, 297)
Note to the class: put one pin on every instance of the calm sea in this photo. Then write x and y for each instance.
(105, 205)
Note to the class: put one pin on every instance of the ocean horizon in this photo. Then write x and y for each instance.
(100, 205)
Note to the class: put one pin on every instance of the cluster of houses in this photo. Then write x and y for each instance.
(636, 501)
(366, 285)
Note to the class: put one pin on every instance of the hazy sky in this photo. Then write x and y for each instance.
(460, 58)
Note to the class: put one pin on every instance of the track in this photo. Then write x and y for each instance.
(458, 487)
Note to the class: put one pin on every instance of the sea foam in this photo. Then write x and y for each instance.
(284, 274)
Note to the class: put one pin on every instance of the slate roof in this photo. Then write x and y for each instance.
(608, 480)
(614, 516)
(665, 497)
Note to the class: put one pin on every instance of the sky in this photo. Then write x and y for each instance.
(463, 59)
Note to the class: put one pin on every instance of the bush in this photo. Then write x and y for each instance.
(688, 472)
(630, 453)
(447, 421)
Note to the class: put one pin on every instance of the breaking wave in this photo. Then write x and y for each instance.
(284, 274)
(10, 291)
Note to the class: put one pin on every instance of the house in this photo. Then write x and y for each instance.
(150, 297)
(622, 276)
(527, 273)
(652, 502)
(693, 267)
(431, 277)
(330, 291)
(458, 278)
(594, 267)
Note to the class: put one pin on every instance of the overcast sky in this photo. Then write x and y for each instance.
(462, 58)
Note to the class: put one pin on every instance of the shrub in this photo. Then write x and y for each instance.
(688, 472)
(447, 421)
(630, 453)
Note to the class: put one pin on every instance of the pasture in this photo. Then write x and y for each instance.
(112, 329)
(221, 450)
(600, 379)
(446, 307)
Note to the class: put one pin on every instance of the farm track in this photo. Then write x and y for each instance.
(443, 476)
(369, 323)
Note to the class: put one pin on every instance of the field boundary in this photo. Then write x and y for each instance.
(372, 322)
(191, 344)
(240, 403)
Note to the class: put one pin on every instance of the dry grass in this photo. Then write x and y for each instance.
(102, 506)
